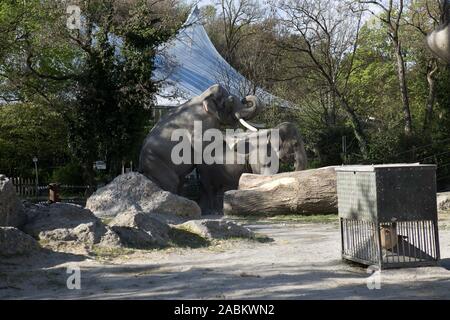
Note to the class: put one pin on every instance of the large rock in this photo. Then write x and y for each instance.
(133, 191)
(14, 242)
(68, 222)
(217, 229)
(140, 230)
(443, 201)
(11, 209)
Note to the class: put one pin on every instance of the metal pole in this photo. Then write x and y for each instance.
(344, 149)
(37, 176)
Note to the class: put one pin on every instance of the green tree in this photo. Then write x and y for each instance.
(98, 78)
(28, 130)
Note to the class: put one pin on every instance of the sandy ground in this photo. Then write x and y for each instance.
(303, 262)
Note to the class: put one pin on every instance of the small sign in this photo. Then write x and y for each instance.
(100, 165)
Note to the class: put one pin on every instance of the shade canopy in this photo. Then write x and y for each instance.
(189, 64)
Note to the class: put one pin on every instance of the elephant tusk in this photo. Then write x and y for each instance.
(257, 125)
(248, 126)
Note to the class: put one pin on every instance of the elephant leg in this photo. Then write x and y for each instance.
(207, 194)
(204, 203)
(218, 201)
(208, 199)
(180, 186)
(162, 175)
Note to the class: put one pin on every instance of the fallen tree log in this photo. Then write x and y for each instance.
(300, 192)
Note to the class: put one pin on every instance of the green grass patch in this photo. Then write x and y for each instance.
(288, 218)
(107, 220)
(321, 218)
(110, 253)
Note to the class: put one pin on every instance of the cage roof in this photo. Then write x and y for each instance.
(370, 168)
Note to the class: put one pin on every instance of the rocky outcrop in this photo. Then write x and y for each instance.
(140, 230)
(217, 229)
(133, 191)
(11, 209)
(14, 242)
(68, 222)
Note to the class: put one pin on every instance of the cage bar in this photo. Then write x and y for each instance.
(388, 215)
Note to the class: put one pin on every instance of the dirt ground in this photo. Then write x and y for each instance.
(302, 262)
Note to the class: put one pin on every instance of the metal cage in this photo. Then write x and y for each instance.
(388, 215)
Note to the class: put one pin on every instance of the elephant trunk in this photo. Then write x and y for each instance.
(251, 106)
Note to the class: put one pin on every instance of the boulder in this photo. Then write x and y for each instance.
(133, 191)
(217, 229)
(11, 209)
(68, 222)
(443, 201)
(140, 230)
(14, 242)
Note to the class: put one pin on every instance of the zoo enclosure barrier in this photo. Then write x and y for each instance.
(26, 189)
(388, 215)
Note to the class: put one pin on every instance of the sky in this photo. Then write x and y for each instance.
(201, 3)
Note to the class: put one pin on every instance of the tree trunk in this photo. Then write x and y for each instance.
(432, 69)
(403, 87)
(445, 9)
(299, 192)
(356, 125)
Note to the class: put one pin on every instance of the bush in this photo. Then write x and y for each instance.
(70, 174)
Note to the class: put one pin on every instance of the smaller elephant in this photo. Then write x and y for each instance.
(216, 179)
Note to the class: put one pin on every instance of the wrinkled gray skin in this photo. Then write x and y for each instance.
(214, 107)
(217, 178)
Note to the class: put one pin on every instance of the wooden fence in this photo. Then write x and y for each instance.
(26, 189)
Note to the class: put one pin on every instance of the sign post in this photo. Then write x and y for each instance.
(35, 160)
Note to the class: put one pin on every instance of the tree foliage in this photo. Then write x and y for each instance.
(98, 77)
(358, 72)
(355, 69)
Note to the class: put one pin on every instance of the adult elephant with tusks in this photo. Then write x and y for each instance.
(215, 179)
(212, 109)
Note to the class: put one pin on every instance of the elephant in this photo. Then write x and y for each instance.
(216, 179)
(214, 108)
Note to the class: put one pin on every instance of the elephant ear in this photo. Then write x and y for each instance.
(213, 98)
(210, 106)
(275, 143)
